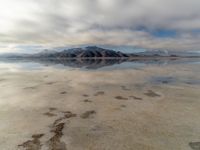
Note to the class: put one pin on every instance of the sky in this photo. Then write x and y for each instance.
(33, 25)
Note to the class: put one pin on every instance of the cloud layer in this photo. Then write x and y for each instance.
(154, 24)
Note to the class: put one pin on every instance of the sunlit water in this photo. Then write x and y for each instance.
(100, 105)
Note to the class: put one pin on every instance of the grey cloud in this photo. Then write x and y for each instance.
(60, 22)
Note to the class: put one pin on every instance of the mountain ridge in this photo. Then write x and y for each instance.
(95, 52)
(87, 52)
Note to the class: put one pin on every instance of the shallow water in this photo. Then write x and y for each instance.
(100, 105)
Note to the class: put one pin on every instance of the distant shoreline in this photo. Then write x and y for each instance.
(93, 52)
(137, 57)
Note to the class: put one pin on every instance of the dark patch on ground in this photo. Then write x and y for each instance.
(58, 120)
(125, 88)
(31, 87)
(45, 76)
(99, 93)
(33, 144)
(121, 98)
(163, 80)
(64, 92)
(85, 95)
(52, 108)
(55, 142)
(123, 106)
(192, 82)
(49, 114)
(171, 80)
(195, 145)
(87, 101)
(151, 93)
(50, 83)
(67, 114)
(87, 114)
(136, 98)
(2, 80)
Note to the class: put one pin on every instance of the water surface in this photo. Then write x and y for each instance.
(100, 104)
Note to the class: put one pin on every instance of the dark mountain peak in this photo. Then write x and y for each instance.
(89, 52)
(92, 47)
(96, 48)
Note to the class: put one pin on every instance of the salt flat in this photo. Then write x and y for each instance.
(153, 107)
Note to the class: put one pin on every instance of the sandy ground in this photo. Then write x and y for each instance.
(72, 109)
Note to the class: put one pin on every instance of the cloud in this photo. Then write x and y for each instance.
(155, 24)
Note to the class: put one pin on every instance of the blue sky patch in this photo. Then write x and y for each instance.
(163, 33)
(160, 33)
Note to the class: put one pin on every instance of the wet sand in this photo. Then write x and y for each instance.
(74, 109)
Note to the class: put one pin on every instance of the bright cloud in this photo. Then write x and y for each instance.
(162, 24)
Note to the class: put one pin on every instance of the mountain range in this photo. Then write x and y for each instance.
(87, 52)
(97, 52)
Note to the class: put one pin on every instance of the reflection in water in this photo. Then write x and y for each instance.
(115, 107)
(100, 63)
(174, 80)
(163, 80)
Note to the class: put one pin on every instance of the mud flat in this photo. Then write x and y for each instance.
(152, 108)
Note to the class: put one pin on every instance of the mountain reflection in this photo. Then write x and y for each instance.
(100, 63)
